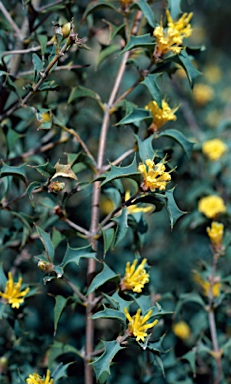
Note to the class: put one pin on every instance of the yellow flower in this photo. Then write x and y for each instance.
(211, 206)
(214, 149)
(205, 285)
(155, 176)
(135, 278)
(161, 115)
(215, 233)
(36, 379)
(182, 330)
(134, 207)
(202, 94)
(137, 326)
(12, 292)
(171, 38)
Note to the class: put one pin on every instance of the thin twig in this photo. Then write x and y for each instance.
(119, 160)
(76, 227)
(11, 21)
(74, 289)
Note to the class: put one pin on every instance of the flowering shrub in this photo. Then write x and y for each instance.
(114, 193)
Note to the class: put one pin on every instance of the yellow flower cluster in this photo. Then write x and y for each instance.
(160, 115)
(13, 294)
(155, 176)
(202, 94)
(211, 206)
(135, 278)
(205, 285)
(182, 330)
(36, 379)
(171, 38)
(214, 149)
(215, 233)
(137, 326)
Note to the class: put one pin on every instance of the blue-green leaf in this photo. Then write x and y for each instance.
(46, 240)
(151, 84)
(73, 255)
(122, 226)
(138, 41)
(145, 148)
(60, 303)
(108, 237)
(185, 61)
(80, 91)
(102, 364)
(180, 138)
(109, 313)
(147, 12)
(8, 170)
(97, 4)
(169, 202)
(175, 8)
(120, 172)
(137, 114)
(105, 275)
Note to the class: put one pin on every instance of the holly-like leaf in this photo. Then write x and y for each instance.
(64, 170)
(122, 226)
(12, 137)
(184, 60)
(73, 255)
(102, 364)
(156, 346)
(58, 348)
(46, 170)
(105, 275)
(169, 202)
(138, 41)
(30, 189)
(189, 297)
(136, 115)
(61, 371)
(145, 148)
(180, 138)
(46, 240)
(108, 237)
(107, 52)
(120, 172)
(191, 358)
(109, 313)
(19, 171)
(38, 64)
(151, 84)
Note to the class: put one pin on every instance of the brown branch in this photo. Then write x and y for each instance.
(11, 21)
(74, 289)
(119, 160)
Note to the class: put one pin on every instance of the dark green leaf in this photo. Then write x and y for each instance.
(73, 255)
(57, 349)
(105, 275)
(97, 4)
(151, 84)
(3, 278)
(30, 189)
(38, 64)
(12, 137)
(119, 172)
(138, 41)
(102, 364)
(46, 240)
(80, 91)
(145, 148)
(191, 358)
(45, 170)
(2, 310)
(109, 313)
(169, 202)
(60, 303)
(8, 170)
(187, 298)
(137, 114)
(181, 139)
(184, 60)
(43, 43)
(122, 226)
(175, 8)
(108, 237)
(156, 346)
(114, 29)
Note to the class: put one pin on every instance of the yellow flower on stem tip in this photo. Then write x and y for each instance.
(160, 115)
(211, 206)
(134, 207)
(181, 330)
(36, 379)
(205, 285)
(214, 149)
(137, 326)
(154, 175)
(135, 278)
(171, 38)
(215, 233)
(13, 294)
